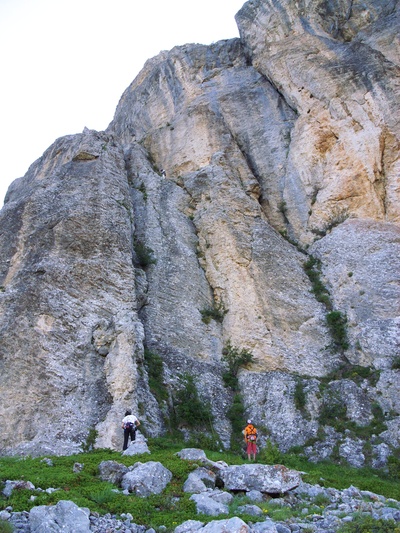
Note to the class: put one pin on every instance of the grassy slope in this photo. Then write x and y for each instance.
(173, 506)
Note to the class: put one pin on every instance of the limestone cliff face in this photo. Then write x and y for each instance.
(205, 220)
(69, 325)
(343, 158)
(277, 147)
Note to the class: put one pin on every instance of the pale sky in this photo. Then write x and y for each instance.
(65, 63)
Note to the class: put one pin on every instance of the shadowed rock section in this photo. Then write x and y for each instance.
(70, 331)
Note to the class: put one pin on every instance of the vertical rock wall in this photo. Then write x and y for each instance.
(210, 121)
(277, 146)
(70, 332)
(343, 158)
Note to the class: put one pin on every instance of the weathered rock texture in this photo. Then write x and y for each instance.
(70, 331)
(276, 146)
(275, 479)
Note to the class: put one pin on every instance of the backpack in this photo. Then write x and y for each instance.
(251, 433)
(129, 425)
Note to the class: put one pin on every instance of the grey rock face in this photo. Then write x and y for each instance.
(199, 456)
(145, 479)
(231, 525)
(255, 495)
(199, 480)
(380, 453)
(253, 510)
(71, 331)
(323, 449)
(65, 516)
(387, 389)
(274, 479)
(322, 165)
(267, 527)
(271, 405)
(112, 471)
(221, 496)
(361, 266)
(356, 401)
(256, 272)
(20, 484)
(192, 454)
(207, 505)
(351, 450)
(392, 435)
(189, 526)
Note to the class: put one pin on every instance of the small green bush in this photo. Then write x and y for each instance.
(337, 324)
(356, 373)
(282, 207)
(270, 454)
(189, 409)
(276, 512)
(144, 254)
(88, 446)
(394, 465)
(143, 190)
(312, 268)
(396, 363)
(205, 441)
(336, 321)
(234, 360)
(299, 396)
(321, 500)
(333, 413)
(378, 424)
(216, 313)
(103, 496)
(155, 370)
(236, 416)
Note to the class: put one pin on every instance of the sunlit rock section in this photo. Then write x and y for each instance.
(214, 124)
(331, 64)
(362, 266)
(69, 327)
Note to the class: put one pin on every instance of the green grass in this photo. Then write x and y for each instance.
(173, 506)
(6, 527)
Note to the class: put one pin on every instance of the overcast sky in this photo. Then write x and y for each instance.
(65, 63)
